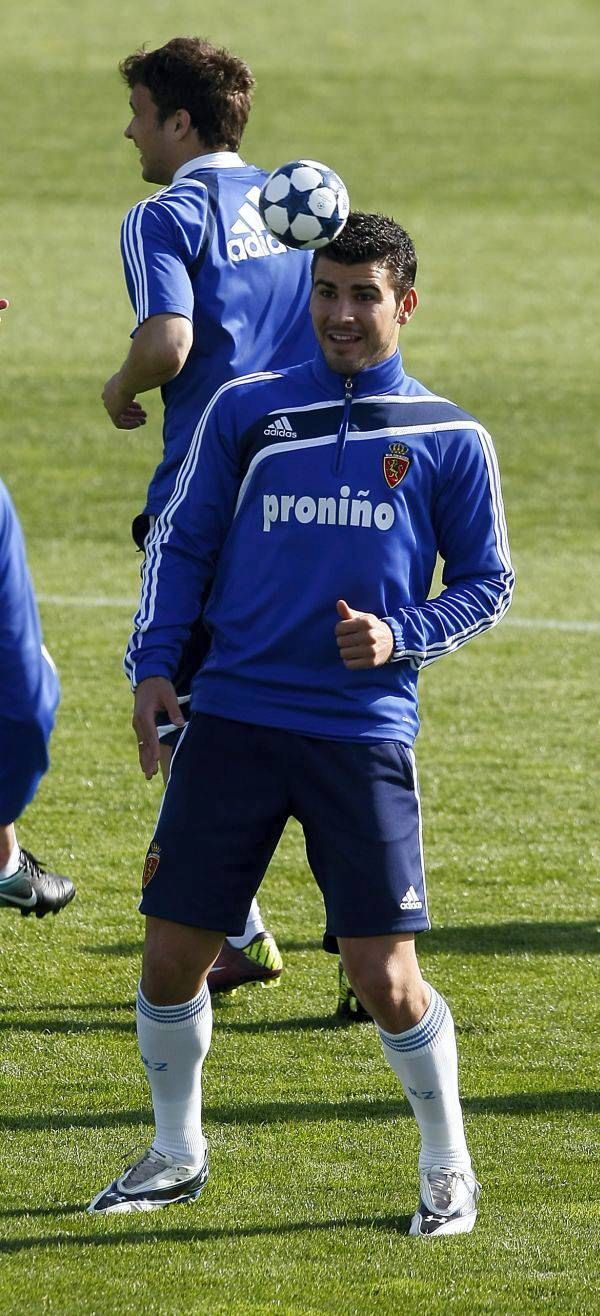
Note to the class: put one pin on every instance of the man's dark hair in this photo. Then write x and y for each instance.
(189, 73)
(374, 238)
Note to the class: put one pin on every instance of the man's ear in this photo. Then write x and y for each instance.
(407, 306)
(181, 123)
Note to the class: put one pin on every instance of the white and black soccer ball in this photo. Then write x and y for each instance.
(304, 204)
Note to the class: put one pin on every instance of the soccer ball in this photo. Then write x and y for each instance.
(304, 204)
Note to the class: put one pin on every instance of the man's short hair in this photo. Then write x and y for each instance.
(189, 73)
(374, 238)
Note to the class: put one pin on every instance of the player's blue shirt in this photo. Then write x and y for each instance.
(29, 690)
(300, 489)
(200, 249)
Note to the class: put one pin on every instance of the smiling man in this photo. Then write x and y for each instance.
(357, 311)
(315, 500)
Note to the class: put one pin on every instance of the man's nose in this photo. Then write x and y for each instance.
(344, 309)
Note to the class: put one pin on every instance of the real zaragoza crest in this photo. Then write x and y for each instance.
(151, 864)
(395, 464)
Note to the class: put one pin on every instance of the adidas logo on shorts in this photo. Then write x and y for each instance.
(410, 900)
(280, 429)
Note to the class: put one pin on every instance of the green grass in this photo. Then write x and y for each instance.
(475, 126)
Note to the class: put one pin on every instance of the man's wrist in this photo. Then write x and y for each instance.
(117, 394)
(153, 675)
(398, 638)
(125, 385)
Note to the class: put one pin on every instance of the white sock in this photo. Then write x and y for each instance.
(11, 867)
(173, 1041)
(424, 1058)
(254, 925)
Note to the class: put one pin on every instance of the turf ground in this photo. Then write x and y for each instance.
(475, 126)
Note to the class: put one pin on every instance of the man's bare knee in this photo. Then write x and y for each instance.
(386, 977)
(176, 960)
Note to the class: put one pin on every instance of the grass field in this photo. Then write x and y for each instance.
(475, 126)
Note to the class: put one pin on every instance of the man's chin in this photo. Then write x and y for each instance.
(150, 175)
(342, 360)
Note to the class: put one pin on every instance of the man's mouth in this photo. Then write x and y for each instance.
(337, 336)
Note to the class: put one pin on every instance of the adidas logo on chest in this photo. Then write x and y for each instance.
(280, 429)
(250, 237)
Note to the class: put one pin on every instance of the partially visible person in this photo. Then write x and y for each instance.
(215, 296)
(29, 695)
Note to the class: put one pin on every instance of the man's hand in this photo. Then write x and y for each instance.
(154, 695)
(158, 351)
(362, 639)
(124, 411)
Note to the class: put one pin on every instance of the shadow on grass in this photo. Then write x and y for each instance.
(514, 939)
(71, 1007)
(309, 1022)
(274, 1112)
(116, 948)
(389, 1224)
(16, 1212)
(474, 939)
(69, 1026)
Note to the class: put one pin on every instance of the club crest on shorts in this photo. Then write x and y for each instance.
(395, 464)
(151, 864)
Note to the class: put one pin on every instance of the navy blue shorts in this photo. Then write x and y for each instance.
(232, 788)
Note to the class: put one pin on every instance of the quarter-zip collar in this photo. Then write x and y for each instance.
(385, 377)
(340, 443)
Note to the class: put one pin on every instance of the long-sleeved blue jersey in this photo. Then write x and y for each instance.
(302, 488)
(200, 249)
(29, 689)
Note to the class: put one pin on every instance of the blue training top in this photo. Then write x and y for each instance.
(302, 488)
(29, 690)
(200, 249)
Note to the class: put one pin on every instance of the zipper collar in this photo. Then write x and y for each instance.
(385, 377)
(340, 442)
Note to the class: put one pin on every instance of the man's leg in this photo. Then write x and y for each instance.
(25, 884)
(221, 818)
(417, 1034)
(174, 1026)
(252, 957)
(9, 851)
